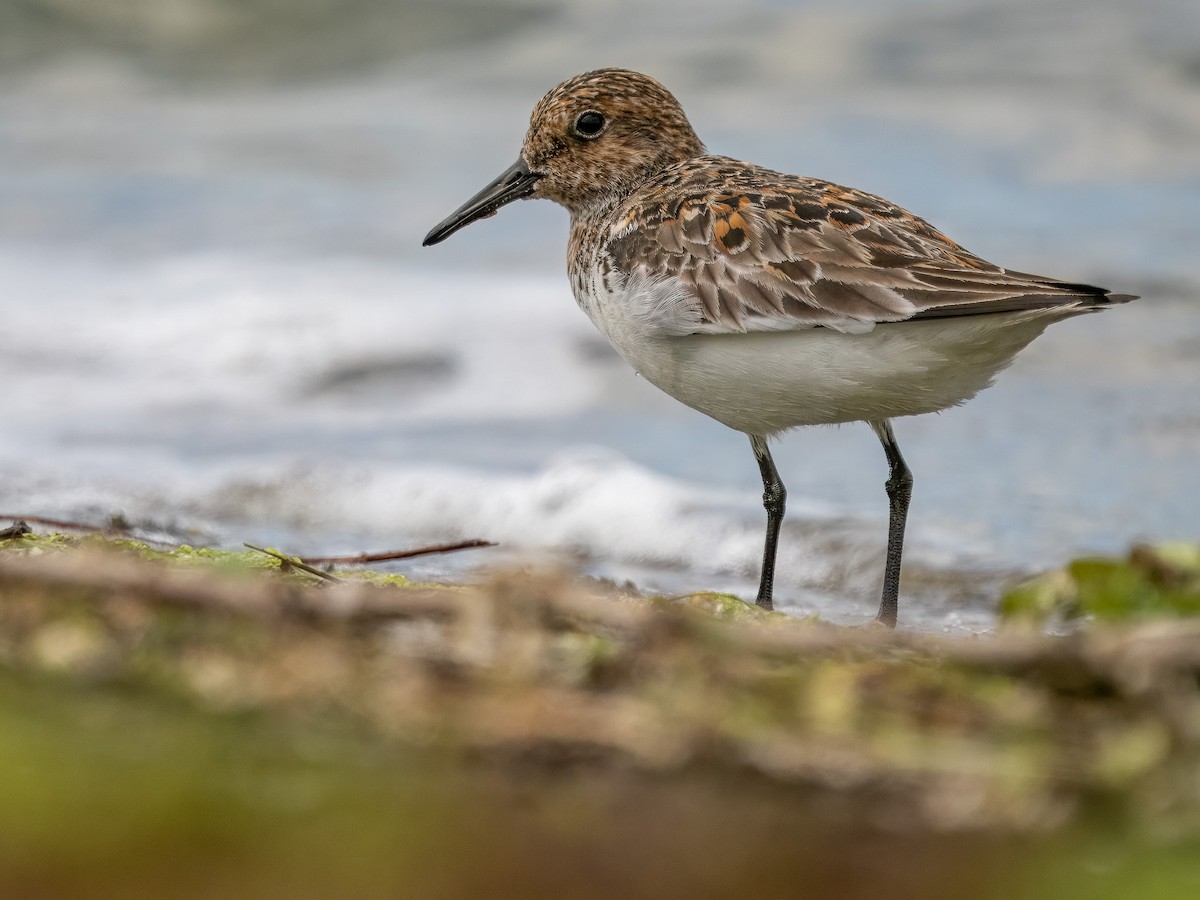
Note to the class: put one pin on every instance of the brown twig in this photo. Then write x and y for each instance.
(62, 523)
(393, 554)
(114, 528)
(294, 562)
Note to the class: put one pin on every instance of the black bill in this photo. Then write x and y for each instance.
(514, 183)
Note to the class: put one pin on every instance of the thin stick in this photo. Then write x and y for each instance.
(62, 523)
(110, 530)
(294, 562)
(394, 554)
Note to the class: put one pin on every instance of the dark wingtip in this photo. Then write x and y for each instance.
(1096, 295)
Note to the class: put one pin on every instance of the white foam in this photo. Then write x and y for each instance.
(587, 503)
(111, 345)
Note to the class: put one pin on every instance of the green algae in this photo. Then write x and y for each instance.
(718, 605)
(34, 543)
(234, 561)
(1158, 581)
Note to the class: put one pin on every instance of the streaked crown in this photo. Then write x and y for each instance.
(598, 135)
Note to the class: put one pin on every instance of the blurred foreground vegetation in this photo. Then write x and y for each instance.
(197, 723)
(1151, 582)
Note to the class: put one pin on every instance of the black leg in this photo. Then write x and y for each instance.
(774, 500)
(899, 491)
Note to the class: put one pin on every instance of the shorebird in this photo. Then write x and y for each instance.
(765, 300)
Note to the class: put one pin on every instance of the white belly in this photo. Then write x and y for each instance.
(762, 383)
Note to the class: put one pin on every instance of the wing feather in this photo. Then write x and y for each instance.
(757, 250)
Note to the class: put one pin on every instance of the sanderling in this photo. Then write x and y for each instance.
(766, 300)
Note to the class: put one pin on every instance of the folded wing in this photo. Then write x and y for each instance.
(755, 250)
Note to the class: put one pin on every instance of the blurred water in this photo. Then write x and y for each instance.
(218, 321)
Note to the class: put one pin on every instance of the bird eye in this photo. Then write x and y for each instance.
(589, 124)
